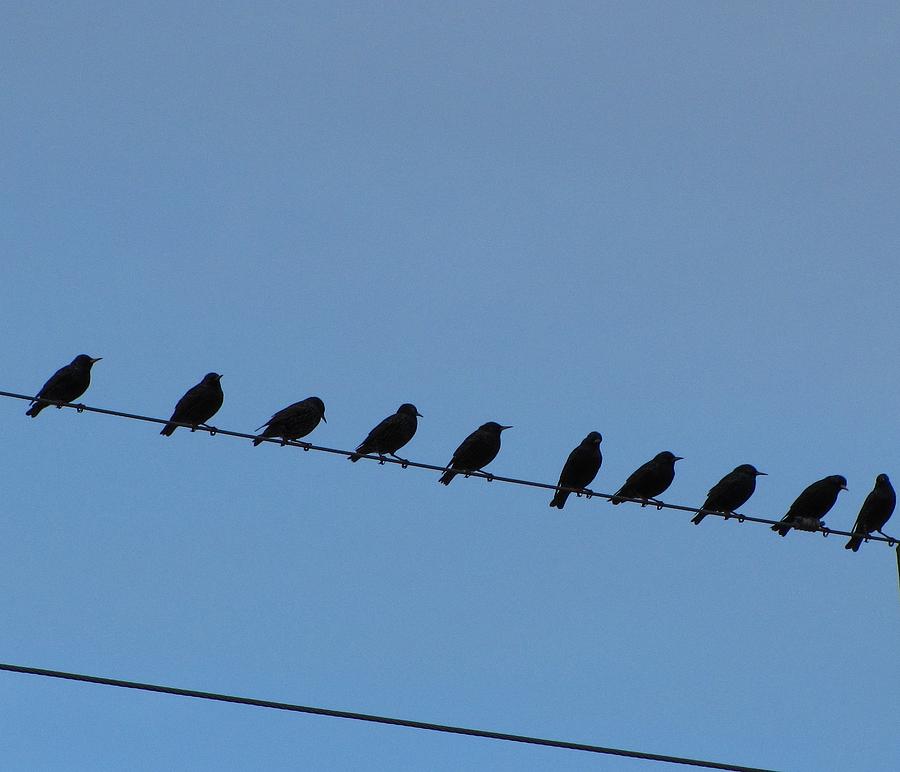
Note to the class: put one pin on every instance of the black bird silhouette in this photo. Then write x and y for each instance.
(198, 405)
(294, 421)
(876, 511)
(580, 469)
(476, 451)
(65, 385)
(391, 434)
(812, 505)
(649, 480)
(731, 492)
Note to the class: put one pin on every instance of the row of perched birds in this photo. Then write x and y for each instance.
(201, 402)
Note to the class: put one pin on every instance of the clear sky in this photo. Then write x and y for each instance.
(675, 223)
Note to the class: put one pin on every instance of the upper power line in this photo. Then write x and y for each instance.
(625, 494)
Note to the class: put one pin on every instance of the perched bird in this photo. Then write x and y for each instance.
(294, 421)
(476, 451)
(198, 405)
(649, 480)
(876, 511)
(731, 492)
(391, 434)
(812, 505)
(65, 385)
(580, 469)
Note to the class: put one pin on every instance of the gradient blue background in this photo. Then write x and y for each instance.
(673, 223)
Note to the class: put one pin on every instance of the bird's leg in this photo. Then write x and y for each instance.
(401, 460)
(659, 504)
(284, 441)
(891, 539)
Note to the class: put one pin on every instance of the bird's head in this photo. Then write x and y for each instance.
(839, 481)
(407, 409)
(749, 469)
(493, 426)
(594, 438)
(667, 457)
(882, 479)
(211, 378)
(318, 406)
(83, 360)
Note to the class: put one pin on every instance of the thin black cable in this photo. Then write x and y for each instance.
(516, 738)
(212, 431)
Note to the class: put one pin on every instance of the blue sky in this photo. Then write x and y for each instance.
(672, 223)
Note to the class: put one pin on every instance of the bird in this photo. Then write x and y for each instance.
(391, 434)
(65, 385)
(731, 492)
(476, 451)
(812, 505)
(294, 421)
(649, 480)
(580, 469)
(198, 405)
(876, 511)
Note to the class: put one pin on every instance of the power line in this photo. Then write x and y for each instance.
(212, 430)
(516, 738)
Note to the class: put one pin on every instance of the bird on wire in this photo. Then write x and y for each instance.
(649, 481)
(876, 511)
(390, 435)
(294, 421)
(65, 385)
(476, 451)
(731, 492)
(812, 505)
(198, 405)
(580, 469)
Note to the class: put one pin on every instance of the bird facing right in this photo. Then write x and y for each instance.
(391, 434)
(649, 480)
(294, 421)
(65, 385)
(476, 451)
(198, 405)
(580, 469)
(876, 511)
(731, 492)
(812, 505)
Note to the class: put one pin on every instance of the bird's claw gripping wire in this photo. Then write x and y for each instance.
(79, 408)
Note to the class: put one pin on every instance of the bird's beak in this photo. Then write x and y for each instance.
(679, 458)
(419, 414)
(220, 377)
(324, 418)
(505, 427)
(764, 474)
(844, 488)
(96, 359)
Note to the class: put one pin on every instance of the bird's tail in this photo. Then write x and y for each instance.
(258, 440)
(447, 476)
(559, 499)
(355, 457)
(616, 499)
(168, 429)
(36, 407)
(854, 543)
(781, 528)
(698, 518)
